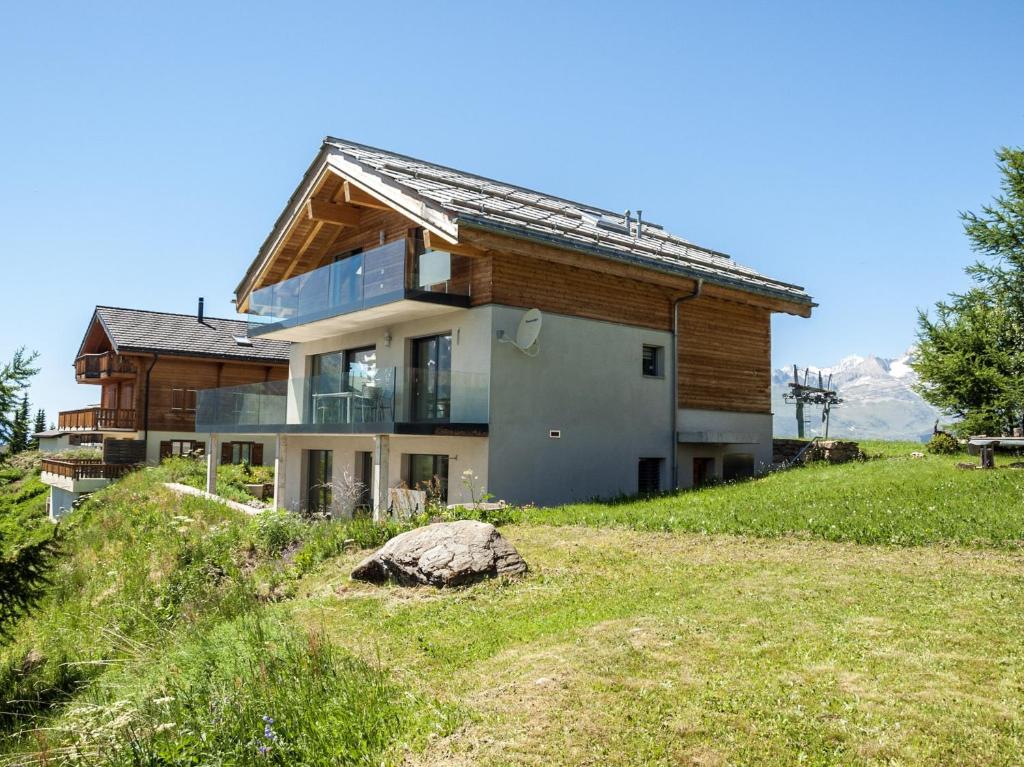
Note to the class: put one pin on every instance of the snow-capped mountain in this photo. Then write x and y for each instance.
(878, 401)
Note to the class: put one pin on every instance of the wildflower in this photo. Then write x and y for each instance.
(164, 727)
(161, 701)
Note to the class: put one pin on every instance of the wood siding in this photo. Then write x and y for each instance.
(170, 373)
(724, 345)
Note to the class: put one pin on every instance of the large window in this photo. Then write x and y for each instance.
(242, 452)
(429, 473)
(338, 381)
(181, 447)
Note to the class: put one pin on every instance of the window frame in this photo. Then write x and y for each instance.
(658, 466)
(658, 360)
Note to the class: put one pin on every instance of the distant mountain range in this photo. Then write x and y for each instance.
(878, 401)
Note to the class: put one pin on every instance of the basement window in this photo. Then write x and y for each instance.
(648, 476)
(653, 361)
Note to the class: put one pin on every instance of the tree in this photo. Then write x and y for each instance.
(14, 377)
(970, 357)
(20, 428)
(40, 425)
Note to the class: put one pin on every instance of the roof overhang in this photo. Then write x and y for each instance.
(332, 161)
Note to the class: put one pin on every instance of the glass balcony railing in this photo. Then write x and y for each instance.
(375, 402)
(391, 272)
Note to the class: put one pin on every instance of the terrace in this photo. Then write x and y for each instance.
(388, 400)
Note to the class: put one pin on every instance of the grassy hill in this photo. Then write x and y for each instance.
(784, 620)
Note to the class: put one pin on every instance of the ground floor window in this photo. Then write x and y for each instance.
(737, 466)
(429, 473)
(648, 479)
(319, 481)
(242, 452)
(703, 471)
(181, 447)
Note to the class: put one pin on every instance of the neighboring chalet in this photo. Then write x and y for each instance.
(147, 367)
(405, 288)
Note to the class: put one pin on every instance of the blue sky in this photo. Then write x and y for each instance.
(145, 151)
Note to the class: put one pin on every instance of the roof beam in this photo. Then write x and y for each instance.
(356, 196)
(433, 242)
(332, 213)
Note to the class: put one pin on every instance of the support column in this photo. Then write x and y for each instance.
(211, 464)
(381, 458)
(279, 464)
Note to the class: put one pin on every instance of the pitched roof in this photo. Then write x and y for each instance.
(139, 330)
(479, 202)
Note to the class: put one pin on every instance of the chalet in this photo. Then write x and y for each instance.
(146, 368)
(449, 327)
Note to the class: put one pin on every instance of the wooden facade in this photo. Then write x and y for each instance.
(170, 381)
(724, 334)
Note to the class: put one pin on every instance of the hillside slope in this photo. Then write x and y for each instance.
(178, 632)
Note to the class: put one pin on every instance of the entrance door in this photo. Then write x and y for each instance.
(318, 481)
(703, 471)
(431, 378)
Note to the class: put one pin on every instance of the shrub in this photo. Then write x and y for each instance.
(942, 443)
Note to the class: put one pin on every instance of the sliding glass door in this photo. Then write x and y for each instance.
(431, 378)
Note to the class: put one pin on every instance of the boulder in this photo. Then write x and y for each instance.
(442, 554)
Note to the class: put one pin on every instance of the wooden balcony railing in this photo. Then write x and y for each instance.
(96, 419)
(86, 468)
(106, 365)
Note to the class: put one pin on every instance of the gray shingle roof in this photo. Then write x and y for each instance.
(139, 330)
(480, 202)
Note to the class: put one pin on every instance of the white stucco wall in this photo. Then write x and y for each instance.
(714, 424)
(61, 501)
(463, 453)
(156, 437)
(585, 381)
(470, 330)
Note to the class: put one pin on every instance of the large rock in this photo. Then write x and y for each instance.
(443, 554)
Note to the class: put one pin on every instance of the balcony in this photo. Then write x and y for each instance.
(76, 469)
(386, 284)
(96, 419)
(106, 366)
(388, 401)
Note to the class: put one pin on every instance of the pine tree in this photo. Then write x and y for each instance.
(40, 426)
(970, 357)
(20, 436)
(14, 376)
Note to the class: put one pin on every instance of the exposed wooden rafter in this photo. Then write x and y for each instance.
(434, 242)
(332, 213)
(356, 196)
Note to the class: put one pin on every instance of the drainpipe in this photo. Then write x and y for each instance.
(145, 404)
(698, 288)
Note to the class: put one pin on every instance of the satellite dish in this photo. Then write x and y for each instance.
(527, 333)
(529, 329)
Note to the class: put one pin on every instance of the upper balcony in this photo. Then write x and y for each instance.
(105, 366)
(388, 401)
(389, 283)
(96, 419)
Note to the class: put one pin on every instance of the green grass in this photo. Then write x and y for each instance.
(891, 499)
(151, 581)
(645, 633)
(639, 648)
